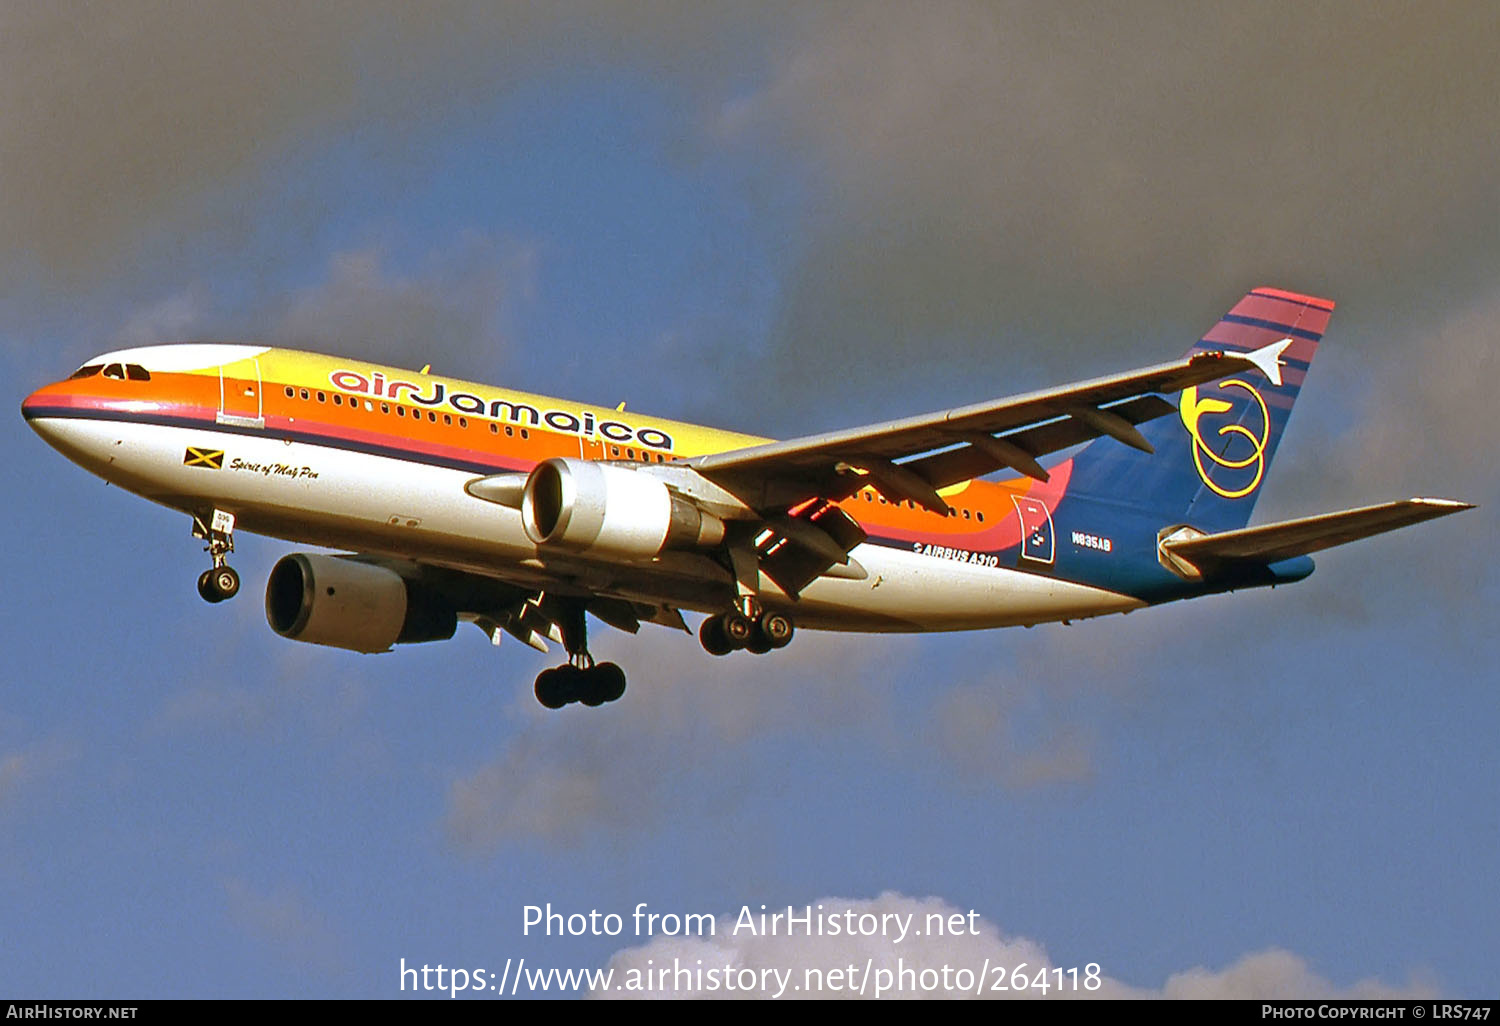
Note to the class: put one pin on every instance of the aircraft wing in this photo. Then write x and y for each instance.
(1271, 543)
(944, 448)
(531, 613)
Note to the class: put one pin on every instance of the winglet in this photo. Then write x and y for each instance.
(1268, 359)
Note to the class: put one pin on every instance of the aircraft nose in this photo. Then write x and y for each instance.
(39, 410)
(31, 407)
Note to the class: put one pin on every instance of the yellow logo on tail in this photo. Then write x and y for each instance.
(1192, 409)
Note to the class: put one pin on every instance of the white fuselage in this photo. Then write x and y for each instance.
(329, 496)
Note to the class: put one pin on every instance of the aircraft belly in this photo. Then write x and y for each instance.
(320, 495)
(909, 592)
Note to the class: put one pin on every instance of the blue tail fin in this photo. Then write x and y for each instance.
(1212, 459)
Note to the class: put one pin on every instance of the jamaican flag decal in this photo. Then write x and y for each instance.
(211, 459)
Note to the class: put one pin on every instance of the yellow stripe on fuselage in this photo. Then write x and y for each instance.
(593, 424)
(456, 414)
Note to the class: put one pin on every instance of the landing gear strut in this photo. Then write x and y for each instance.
(580, 679)
(220, 582)
(748, 626)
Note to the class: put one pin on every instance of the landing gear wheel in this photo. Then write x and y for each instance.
(759, 644)
(713, 638)
(218, 584)
(591, 686)
(550, 690)
(738, 628)
(226, 582)
(777, 629)
(610, 681)
(588, 691)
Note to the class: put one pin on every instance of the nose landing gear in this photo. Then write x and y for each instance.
(220, 582)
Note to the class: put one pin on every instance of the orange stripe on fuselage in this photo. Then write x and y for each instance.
(410, 428)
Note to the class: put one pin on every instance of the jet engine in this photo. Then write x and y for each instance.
(605, 510)
(328, 600)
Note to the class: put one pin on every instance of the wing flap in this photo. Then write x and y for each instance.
(1271, 543)
(939, 449)
(1019, 449)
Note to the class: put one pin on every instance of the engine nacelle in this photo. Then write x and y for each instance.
(327, 600)
(606, 510)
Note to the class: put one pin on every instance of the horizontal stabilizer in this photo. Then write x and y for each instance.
(1272, 543)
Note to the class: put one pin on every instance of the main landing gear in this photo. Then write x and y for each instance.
(587, 682)
(219, 582)
(747, 626)
(580, 679)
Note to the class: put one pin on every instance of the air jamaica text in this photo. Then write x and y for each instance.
(585, 422)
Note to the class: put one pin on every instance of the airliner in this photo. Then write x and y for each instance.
(527, 516)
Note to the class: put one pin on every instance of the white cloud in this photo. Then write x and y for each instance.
(970, 958)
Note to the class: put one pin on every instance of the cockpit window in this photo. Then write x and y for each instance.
(88, 370)
(119, 371)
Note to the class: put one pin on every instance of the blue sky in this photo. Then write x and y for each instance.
(779, 220)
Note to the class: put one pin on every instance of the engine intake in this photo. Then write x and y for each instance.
(600, 509)
(329, 600)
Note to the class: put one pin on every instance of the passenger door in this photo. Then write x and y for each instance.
(240, 401)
